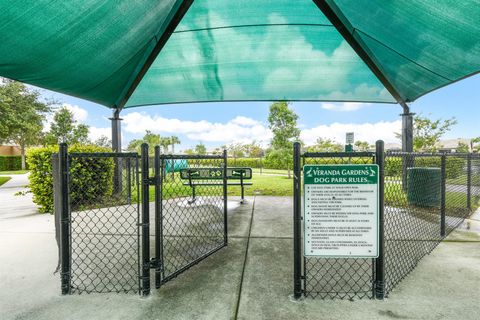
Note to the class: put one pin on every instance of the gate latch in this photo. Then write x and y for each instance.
(153, 263)
(152, 181)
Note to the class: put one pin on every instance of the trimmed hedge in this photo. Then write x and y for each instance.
(10, 163)
(393, 164)
(245, 162)
(91, 179)
(454, 165)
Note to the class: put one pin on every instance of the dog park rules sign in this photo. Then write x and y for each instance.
(341, 210)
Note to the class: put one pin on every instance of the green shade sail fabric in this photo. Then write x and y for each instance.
(420, 45)
(237, 50)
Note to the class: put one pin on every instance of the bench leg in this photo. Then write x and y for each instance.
(243, 195)
(194, 196)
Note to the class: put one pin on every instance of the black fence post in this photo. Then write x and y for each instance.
(225, 204)
(158, 217)
(443, 194)
(469, 182)
(145, 222)
(297, 223)
(65, 232)
(380, 261)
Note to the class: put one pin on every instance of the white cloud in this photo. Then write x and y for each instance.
(95, 133)
(365, 131)
(238, 129)
(344, 106)
(79, 113)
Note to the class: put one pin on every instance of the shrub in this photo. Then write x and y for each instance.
(91, 179)
(454, 165)
(245, 162)
(10, 163)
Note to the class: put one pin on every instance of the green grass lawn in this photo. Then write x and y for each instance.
(262, 185)
(269, 171)
(279, 185)
(4, 179)
(14, 172)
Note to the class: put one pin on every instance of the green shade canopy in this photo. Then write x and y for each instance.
(139, 52)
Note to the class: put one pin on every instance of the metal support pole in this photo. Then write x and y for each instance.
(65, 232)
(380, 261)
(158, 218)
(117, 147)
(145, 223)
(407, 130)
(225, 208)
(469, 182)
(443, 193)
(407, 142)
(297, 223)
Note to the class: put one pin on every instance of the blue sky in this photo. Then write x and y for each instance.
(215, 124)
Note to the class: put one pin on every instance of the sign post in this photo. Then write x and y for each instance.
(349, 140)
(341, 210)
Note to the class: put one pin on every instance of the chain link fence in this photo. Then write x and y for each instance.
(426, 196)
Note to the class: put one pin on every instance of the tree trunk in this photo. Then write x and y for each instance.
(22, 149)
(289, 175)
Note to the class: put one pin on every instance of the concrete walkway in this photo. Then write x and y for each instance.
(250, 279)
(12, 205)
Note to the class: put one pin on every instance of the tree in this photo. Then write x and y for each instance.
(65, 129)
(165, 143)
(189, 151)
(325, 145)
(103, 141)
(149, 138)
(283, 123)
(134, 145)
(427, 133)
(173, 141)
(362, 145)
(462, 147)
(237, 150)
(152, 139)
(21, 115)
(254, 150)
(200, 148)
(474, 144)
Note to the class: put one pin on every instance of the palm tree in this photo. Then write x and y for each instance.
(173, 141)
(165, 143)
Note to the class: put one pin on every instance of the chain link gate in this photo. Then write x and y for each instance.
(97, 212)
(423, 198)
(102, 211)
(190, 211)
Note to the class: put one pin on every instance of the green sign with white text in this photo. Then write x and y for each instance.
(341, 210)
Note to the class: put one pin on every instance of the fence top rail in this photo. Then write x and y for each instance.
(432, 154)
(190, 157)
(338, 154)
(103, 154)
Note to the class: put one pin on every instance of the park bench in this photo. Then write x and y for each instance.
(214, 177)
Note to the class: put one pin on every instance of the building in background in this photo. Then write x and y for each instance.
(9, 150)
